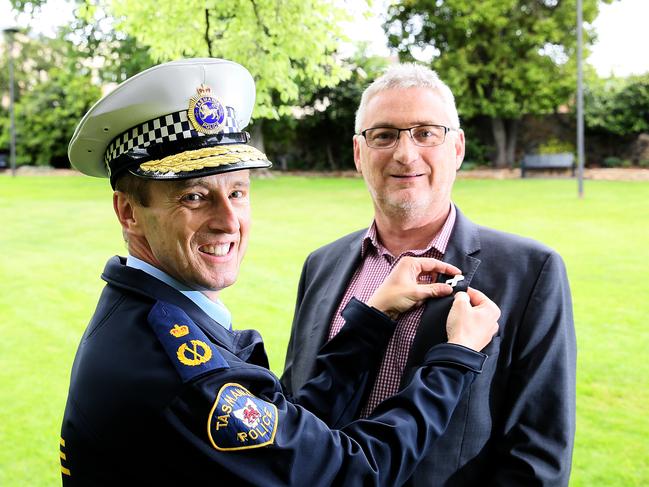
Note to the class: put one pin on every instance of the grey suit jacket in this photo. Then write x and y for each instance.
(516, 424)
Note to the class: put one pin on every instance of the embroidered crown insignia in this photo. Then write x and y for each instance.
(204, 90)
(179, 331)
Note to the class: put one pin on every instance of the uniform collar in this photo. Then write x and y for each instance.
(214, 309)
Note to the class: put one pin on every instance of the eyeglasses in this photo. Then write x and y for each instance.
(421, 135)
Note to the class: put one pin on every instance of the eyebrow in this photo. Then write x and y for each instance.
(183, 184)
(242, 183)
(411, 124)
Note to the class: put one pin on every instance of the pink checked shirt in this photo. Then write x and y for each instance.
(377, 262)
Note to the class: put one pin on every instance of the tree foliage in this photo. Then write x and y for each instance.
(288, 45)
(53, 91)
(29, 6)
(318, 135)
(111, 54)
(49, 116)
(114, 54)
(57, 80)
(283, 43)
(501, 58)
(619, 106)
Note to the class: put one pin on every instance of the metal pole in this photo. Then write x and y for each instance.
(10, 32)
(580, 102)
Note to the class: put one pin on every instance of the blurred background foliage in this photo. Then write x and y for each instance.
(510, 63)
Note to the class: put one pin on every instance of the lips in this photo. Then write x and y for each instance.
(405, 176)
(218, 250)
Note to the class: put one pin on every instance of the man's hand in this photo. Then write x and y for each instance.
(473, 320)
(402, 290)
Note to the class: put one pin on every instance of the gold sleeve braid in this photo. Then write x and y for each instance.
(201, 158)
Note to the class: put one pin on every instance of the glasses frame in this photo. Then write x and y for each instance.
(409, 130)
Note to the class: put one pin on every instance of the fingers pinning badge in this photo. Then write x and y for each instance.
(455, 280)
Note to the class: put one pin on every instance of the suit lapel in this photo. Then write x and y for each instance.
(464, 242)
(334, 289)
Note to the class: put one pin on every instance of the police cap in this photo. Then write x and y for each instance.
(177, 120)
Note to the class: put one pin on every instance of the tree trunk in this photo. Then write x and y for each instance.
(512, 136)
(330, 159)
(257, 141)
(257, 136)
(283, 163)
(500, 140)
(505, 132)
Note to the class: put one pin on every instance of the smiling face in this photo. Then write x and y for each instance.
(409, 181)
(195, 230)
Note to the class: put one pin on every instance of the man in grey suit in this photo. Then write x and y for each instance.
(516, 424)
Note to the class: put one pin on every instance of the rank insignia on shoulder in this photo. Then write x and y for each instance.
(239, 420)
(179, 331)
(185, 343)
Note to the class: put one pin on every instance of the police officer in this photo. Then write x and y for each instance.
(162, 390)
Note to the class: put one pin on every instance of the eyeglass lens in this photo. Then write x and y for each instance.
(423, 135)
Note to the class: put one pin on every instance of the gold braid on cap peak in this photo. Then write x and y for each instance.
(194, 160)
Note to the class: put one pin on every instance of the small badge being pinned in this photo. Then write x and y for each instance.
(238, 420)
(206, 112)
(455, 280)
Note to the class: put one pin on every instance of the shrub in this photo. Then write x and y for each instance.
(616, 162)
(468, 166)
(555, 146)
(476, 154)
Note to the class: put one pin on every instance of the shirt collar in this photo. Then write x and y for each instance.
(439, 241)
(214, 309)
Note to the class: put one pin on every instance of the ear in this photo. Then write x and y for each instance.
(357, 153)
(126, 213)
(459, 149)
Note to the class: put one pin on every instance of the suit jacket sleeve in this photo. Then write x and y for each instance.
(540, 398)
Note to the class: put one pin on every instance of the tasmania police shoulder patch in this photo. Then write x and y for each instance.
(187, 346)
(239, 420)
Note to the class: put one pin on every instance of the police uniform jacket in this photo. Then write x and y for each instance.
(160, 394)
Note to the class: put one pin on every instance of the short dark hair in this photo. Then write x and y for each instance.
(135, 187)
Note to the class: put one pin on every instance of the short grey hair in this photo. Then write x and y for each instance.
(408, 75)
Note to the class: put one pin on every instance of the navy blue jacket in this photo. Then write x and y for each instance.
(516, 424)
(160, 394)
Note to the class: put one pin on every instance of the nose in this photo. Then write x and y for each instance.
(223, 216)
(406, 151)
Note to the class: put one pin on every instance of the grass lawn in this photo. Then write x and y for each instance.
(57, 232)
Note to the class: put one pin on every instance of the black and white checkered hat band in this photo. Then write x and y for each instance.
(175, 126)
